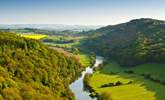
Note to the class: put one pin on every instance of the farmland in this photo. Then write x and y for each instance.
(133, 81)
(126, 73)
(34, 36)
(66, 42)
(86, 60)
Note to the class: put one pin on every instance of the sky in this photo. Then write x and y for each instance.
(79, 12)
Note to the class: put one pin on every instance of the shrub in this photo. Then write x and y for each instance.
(129, 71)
(105, 96)
(118, 83)
(11, 94)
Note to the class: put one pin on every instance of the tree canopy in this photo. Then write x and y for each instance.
(30, 70)
(135, 42)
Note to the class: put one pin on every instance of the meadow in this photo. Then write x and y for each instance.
(85, 59)
(34, 36)
(137, 82)
(66, 42)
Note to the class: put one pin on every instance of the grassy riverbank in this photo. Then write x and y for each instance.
(85, 59)
(143, 82)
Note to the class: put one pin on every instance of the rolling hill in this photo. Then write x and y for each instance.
(132, 43)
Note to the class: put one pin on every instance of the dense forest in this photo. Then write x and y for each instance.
(135, 42)
(32, 71)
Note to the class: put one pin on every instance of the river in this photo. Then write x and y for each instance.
(77, 86)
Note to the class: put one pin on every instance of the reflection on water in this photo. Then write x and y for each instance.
(77, 86)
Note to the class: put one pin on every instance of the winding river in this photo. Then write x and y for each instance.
(77, 86)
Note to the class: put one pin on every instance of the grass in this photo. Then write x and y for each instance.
(58, 37)
(34, 36)
(140, 89)
(156, 70)
(65, 45)
(85, 59)
(76, 42)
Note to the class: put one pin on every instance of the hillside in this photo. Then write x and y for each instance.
(135, 42)
(30, 70)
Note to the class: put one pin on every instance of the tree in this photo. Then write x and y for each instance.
(75, 51)
(105, 96)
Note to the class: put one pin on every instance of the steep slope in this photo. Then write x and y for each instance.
(131, 43)
(30, 70)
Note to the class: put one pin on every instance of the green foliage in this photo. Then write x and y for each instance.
(86, 79)
(105, 96)
(86, 60)
(75, 51)
(132, 43)
(31, 70)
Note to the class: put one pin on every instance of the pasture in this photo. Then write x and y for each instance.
(85, 60)
(140, 87)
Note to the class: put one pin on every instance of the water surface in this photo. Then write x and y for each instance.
(77, 86)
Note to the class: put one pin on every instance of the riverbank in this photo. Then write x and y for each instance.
(77, 86)
(119, 83)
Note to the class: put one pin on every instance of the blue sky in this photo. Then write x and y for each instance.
(79, 12)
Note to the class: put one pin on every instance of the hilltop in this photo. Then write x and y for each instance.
(132, 43)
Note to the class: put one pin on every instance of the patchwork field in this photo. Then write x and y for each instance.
(136, 83)
(34, 36)
(66, 46)
(62, 41)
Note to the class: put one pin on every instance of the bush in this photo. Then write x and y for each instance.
(93, 94)
(11, 94)
(129, 71)
(105, 96)
(107, 85)
(118, 83)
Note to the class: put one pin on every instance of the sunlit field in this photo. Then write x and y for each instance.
(34, 36)
(85, 60)
(139, 87)
(63, 42)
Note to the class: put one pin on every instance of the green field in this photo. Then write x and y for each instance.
(85, 60)
(140, 87)
(58, 41)
(66, 46)
(34, 36)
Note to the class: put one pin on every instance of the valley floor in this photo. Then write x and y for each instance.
(143, 82)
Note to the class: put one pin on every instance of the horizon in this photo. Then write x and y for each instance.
(80, 24)
(78, 12)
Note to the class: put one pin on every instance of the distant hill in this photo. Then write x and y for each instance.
(56, 27)
(131, 43)
(30, 70)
